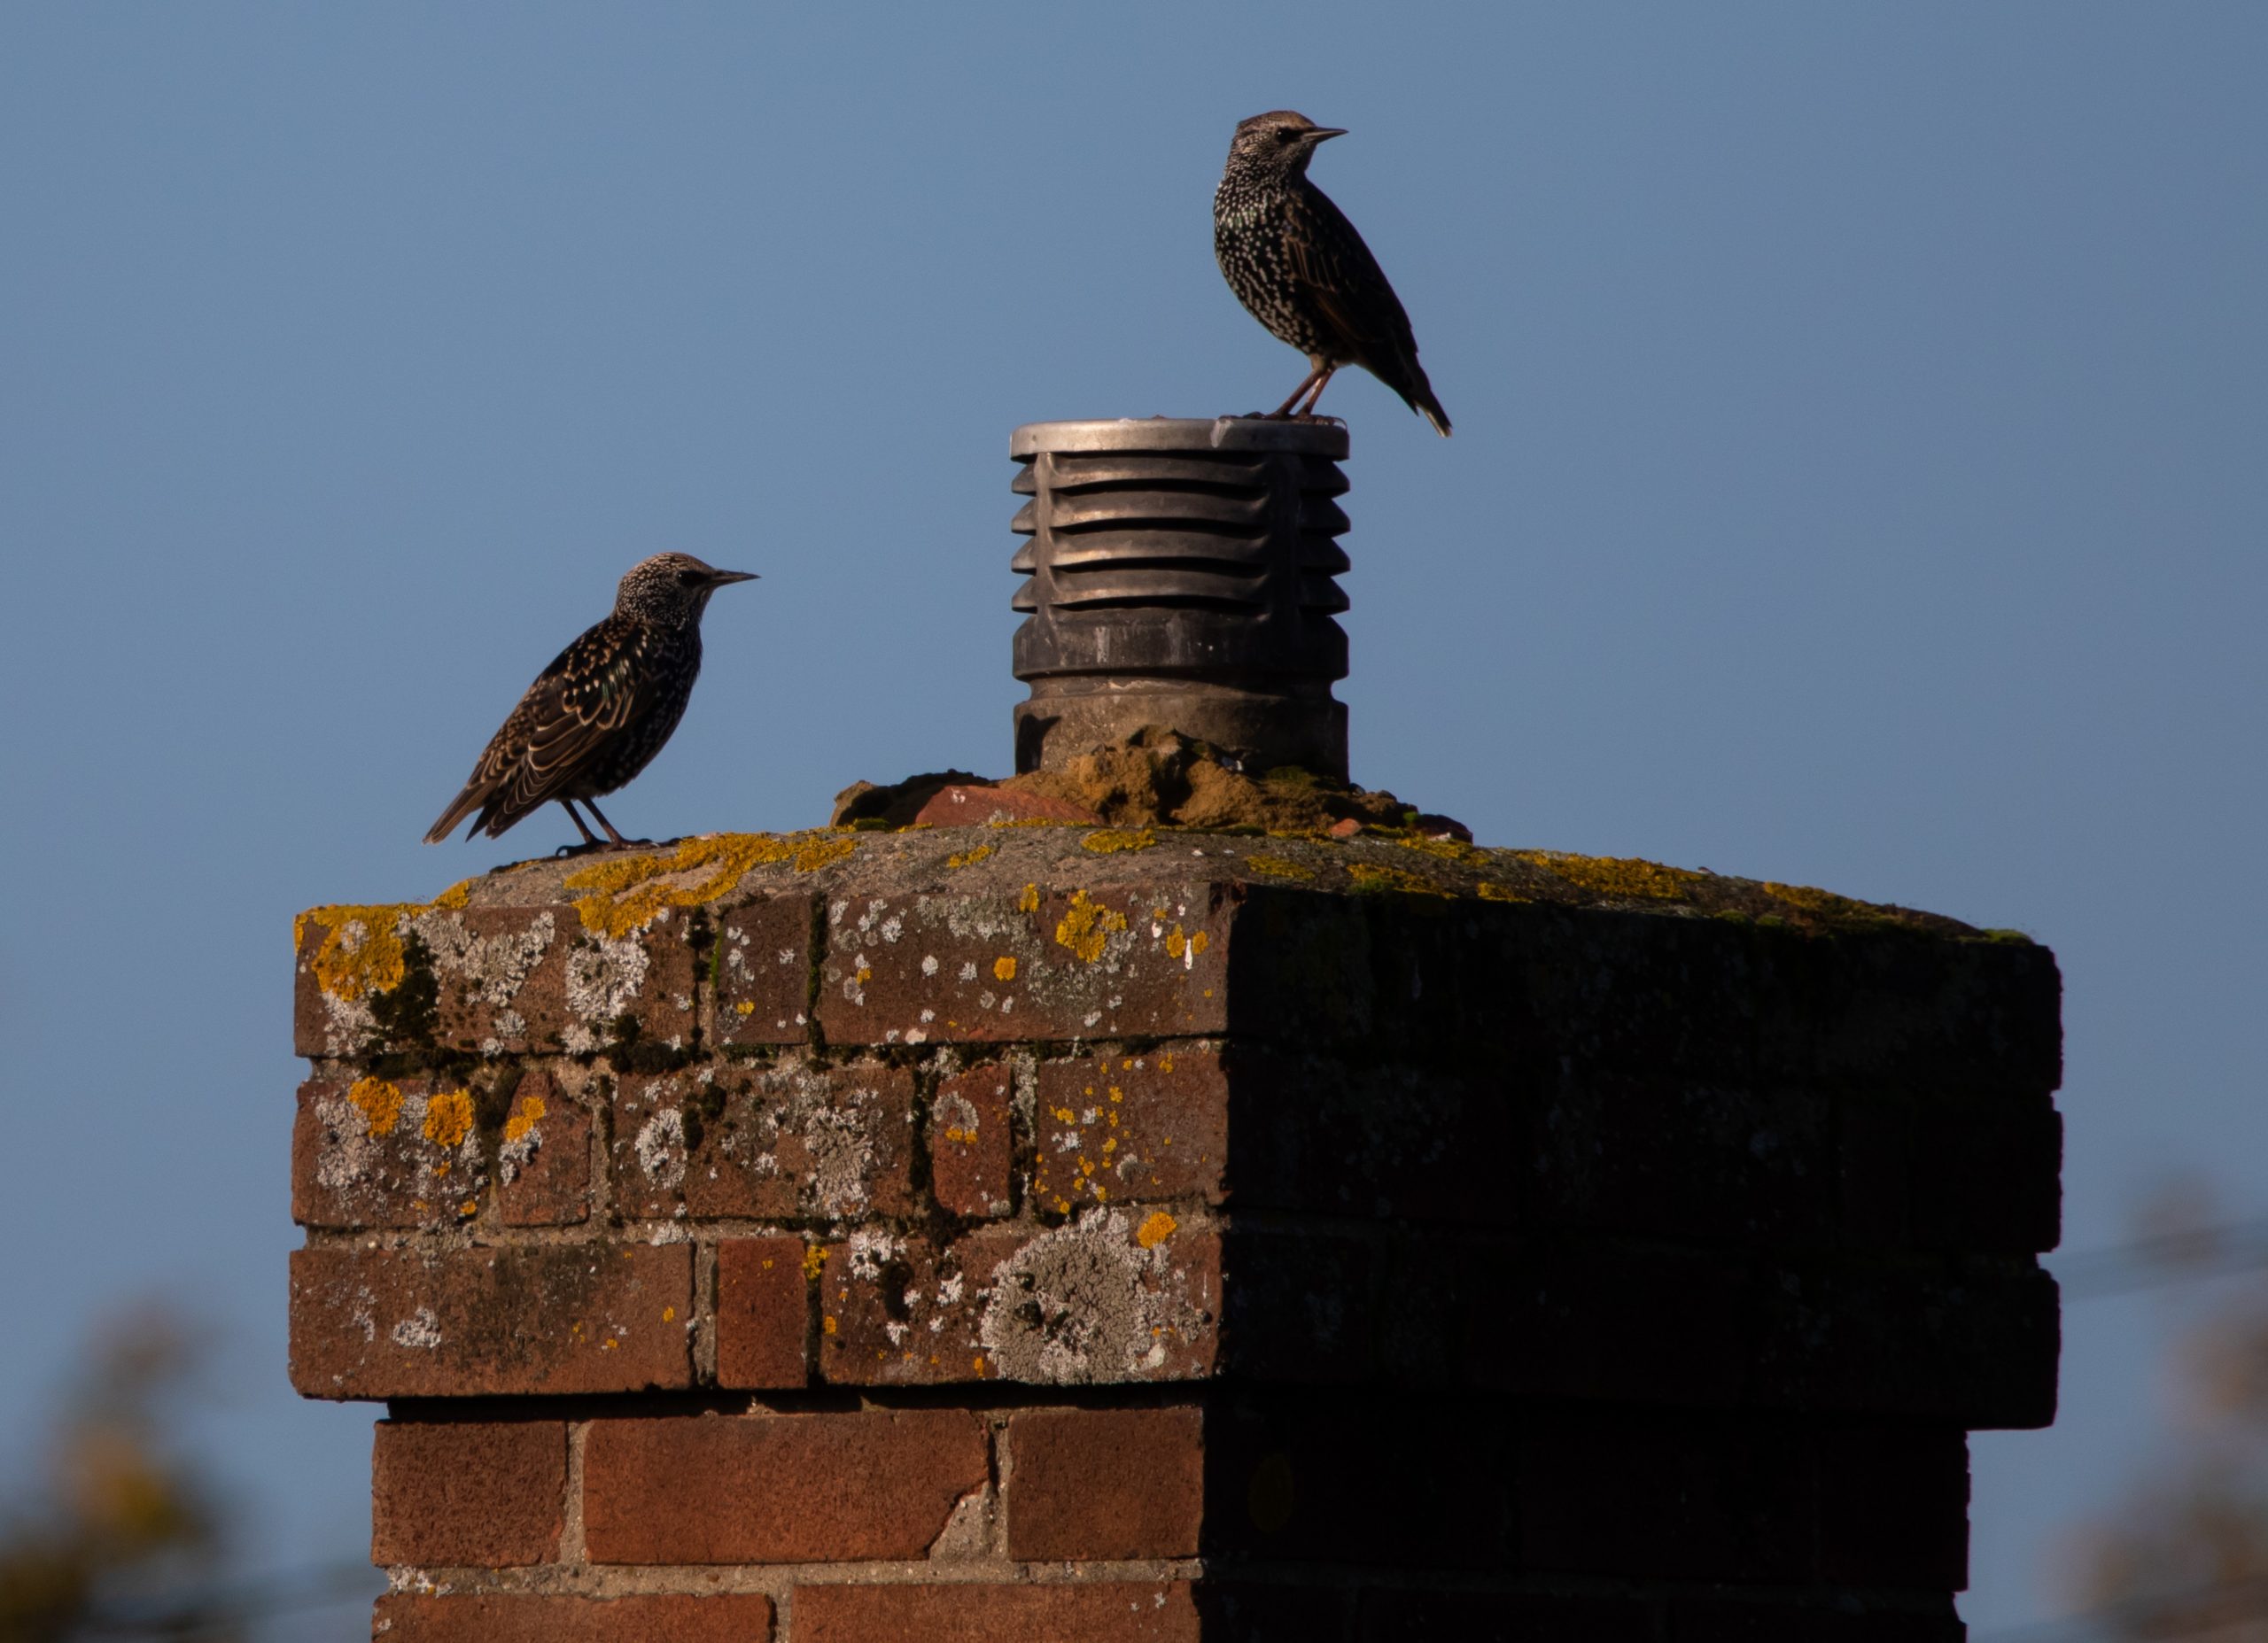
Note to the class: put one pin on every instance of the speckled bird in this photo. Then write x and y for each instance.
(1294, 261)
(601, 710)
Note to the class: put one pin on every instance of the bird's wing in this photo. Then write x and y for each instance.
(1329, 259)
(591, 690)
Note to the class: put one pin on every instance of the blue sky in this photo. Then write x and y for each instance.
(1861, 479)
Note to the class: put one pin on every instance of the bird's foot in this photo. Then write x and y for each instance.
(568, 852)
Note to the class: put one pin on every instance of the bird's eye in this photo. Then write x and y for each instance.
(688, 578)
(1285, 134)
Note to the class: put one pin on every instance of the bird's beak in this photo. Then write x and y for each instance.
(718, 578)
(1323, 134)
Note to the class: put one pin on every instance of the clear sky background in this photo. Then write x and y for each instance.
(1861, 479)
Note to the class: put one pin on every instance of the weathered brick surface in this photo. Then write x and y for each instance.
(777, 1488)
(386, 1153)
(1686, 1328)
(763, 965)
(796, 1139)
(762, 1313)
(1130, 1128)
(1090, 964)
(1893, 1505)
(1328, 1476)
(1105, 1483)
(487, 1492)
(1610, 1268)
(725, 1617)
(1847, 1620)
(1707, 1000)
(1092, 1612)
(972, 1141)
(1390, 1615)
(543, 1165)
(485, 979)
(1684, 1498)
(1116, 1296)
(474, 1322)
(1315, 1133)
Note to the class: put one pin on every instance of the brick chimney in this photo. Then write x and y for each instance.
(1099, 1234)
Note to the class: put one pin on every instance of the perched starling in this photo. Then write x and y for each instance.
(598, 713)
(1292, 256)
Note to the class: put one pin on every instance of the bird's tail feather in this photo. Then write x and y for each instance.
(474, 792)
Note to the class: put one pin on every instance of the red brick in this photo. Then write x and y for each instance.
(1730, 1620)
(1105, 1483)
(795, 1139)
(727, 1617)
(975, 805)
(468, 1493)
(1893, 1505)
(1129, 1611)
(764, 969)
(485, 979)
(1384, 1615)
(1126, 1128)
(385, 1152)
(1690, 1497)
(972, 1143)
(777, 1488)
(1106, 963)
(1666, 1158)
(1317, 1133)
(762, 1313)
(1340, 1476)
(543, 1163)
(473, 1322)
(1112, 1297)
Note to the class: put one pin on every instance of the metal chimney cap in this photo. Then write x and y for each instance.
(1177, 433)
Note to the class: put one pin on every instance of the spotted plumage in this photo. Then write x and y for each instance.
(1294, 261)
(601, 710)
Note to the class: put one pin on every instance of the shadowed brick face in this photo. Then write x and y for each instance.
(1106, 1234)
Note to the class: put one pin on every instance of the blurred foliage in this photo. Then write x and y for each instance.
(2187, 1556)
(114, 1516)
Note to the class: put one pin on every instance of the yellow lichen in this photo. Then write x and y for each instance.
(1825, 903)
(824, 853)
(814, 1259)
(1111, 839)
(379, 1103)
(456, 897)
(526, 1113)
(1087, 927)
(968, 858)
(1622, 878)
(1370, 876)
(1028, 902)
(362, 949)
(747, 1006)
(1277, 867)
(1449, 850)
(627, 894)
(1156, 1230)
(448, 1117)
(1497, 893)
(1004, 969)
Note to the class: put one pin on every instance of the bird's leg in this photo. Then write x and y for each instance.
(1323, 374)
(589, 837)
(1284, 409)
(608, 825)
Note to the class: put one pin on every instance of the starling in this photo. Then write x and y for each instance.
(1294, 261)
(601, 710)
